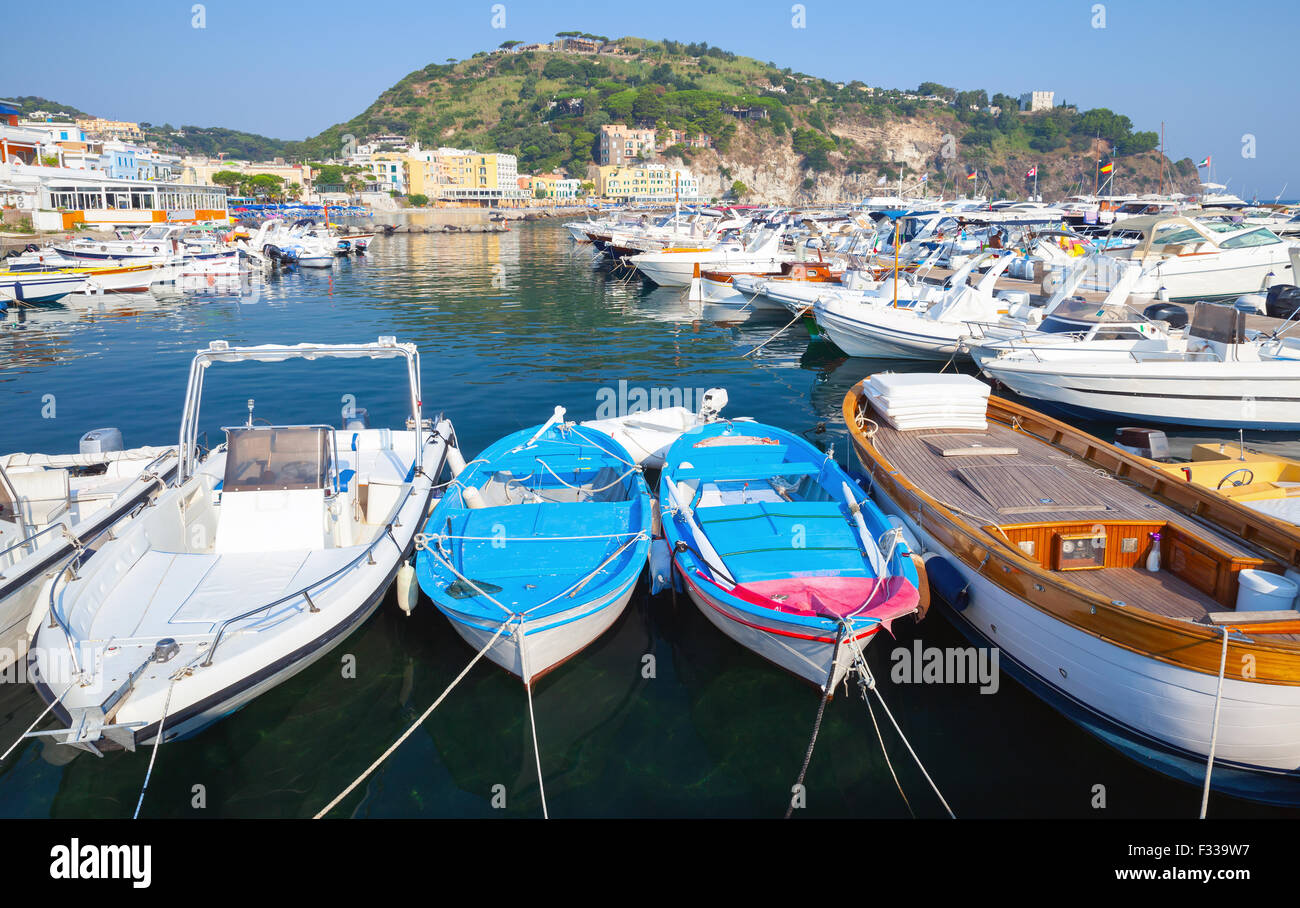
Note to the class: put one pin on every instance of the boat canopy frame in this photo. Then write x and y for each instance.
(386, 347)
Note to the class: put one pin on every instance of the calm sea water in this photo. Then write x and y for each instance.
(509, 325)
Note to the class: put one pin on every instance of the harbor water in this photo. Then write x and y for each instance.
(661, 717)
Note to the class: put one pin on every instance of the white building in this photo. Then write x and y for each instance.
(1033, 101)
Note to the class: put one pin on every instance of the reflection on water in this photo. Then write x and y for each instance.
(509, 325)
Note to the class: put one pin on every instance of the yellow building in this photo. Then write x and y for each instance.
(648, 183)
(117, 129)
(478, 176)
(200, 169)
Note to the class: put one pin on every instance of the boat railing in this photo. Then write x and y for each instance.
(28, 540)
(305, 592)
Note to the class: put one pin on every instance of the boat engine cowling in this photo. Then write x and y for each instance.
(101, 441)
(1152, 444)
(1282, 300)
(1172, 313)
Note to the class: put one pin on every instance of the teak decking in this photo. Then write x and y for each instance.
(1041, 485)
(1004, 514)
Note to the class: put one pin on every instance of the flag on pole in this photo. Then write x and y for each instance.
(971, 174)
(1032, 172)
(1205, 163)
(924, 177)
(881, 181)
(1108, 167)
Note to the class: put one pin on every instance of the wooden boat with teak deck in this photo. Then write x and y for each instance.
(1037, 537)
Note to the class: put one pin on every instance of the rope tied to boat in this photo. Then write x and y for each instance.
(803, 310)
(1214, 728)
(45, 713)
(860, 664)
(821, 711)
(418, 722)
(582, 489)
(532, 719)
(158, 743)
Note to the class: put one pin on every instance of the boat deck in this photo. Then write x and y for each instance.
(1023, 482)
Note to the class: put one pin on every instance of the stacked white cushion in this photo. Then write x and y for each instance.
(929, 401)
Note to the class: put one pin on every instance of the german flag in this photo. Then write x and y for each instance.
(1108, 167)
(970, 175)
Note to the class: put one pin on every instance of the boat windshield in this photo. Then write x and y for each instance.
(266, 458)
(1261, 237)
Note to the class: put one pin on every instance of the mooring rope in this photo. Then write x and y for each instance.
(162, 722)
(418, 722)
(817, 723)
(862, 684)
(532, 719)
(1214, 729)
(798, 315)
(24, 735)
(861, 663)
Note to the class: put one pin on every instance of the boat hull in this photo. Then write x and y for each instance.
(785, 644)
(559, 638)
(1259, 395)
(1155, 712)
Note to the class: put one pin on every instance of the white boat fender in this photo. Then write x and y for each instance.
(456, 461)
(408, 589)
(908, 536)
(473, 498)
(661, 566)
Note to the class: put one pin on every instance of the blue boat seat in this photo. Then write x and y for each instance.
(771, 540)
(524, 531)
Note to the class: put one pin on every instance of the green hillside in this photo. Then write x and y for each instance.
(547, 107)
(798, 137)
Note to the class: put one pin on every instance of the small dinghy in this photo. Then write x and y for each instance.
(51, 505)
(781, 550)
(263, 558)
(648, 434)
(541, 539)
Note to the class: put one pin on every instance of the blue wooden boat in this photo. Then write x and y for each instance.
(545, 532)
(781, 550)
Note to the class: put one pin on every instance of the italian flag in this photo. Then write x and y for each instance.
(1205, 163)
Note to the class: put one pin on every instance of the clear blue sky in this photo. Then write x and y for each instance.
(1213, 72)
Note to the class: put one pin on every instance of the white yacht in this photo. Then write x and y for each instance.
(264, 557)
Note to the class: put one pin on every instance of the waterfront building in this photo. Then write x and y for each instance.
(621, 145)
(61, 198)
(648, 184)
(110, 129)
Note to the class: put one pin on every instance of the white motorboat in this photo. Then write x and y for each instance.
(54, 504)
(1212, 375)
(1205, 258)
(675, 267)
(845, 316)
(933, 332)
(264, 557)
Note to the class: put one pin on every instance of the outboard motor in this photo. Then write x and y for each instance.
(1282, 301)
(101, 441)
(1152, 444)
(1171, 313)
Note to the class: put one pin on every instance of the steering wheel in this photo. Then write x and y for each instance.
(1250, 477)
(299, 471)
